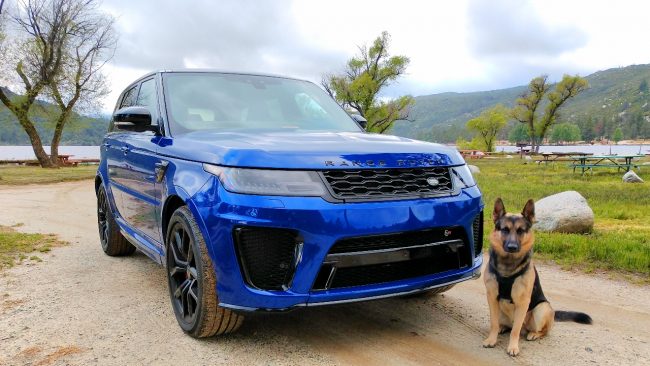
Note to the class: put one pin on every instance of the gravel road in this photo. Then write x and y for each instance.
(81, 307)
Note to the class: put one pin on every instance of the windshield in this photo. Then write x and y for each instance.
(227, 102)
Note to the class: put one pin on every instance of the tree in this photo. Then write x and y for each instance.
(565, 132)
(488, 124)
(618, 135)
(365, 75)
(56, 53)
(527, 106)
(519, 134)
(643, 86)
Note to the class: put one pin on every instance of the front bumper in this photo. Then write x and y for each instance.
(321, 224)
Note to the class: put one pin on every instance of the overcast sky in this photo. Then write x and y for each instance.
(466, 45)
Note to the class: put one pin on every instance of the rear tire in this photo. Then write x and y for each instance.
(193, 282)
(113, 242)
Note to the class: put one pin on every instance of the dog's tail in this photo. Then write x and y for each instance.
(572, 316)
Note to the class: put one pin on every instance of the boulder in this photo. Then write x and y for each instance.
(474, 169)
(631, 177)
(566, 212)
(528, 157)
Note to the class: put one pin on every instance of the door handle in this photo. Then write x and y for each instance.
(106, 145)
(125, 149)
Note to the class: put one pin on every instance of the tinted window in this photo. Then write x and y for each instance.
(147, 97)
(213, 101)
(129, 97)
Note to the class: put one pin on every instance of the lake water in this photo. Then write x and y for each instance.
(594, 149)
(92, 152)
(26, 152)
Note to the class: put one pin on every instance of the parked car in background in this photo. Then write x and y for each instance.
(260, 193)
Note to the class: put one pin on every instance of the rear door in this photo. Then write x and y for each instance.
(113, 147)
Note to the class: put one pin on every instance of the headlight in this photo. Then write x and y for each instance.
(463, 176)
(267, 181)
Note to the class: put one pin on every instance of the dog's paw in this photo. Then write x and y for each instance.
(490, 342)
(513, 350)
(533, 336)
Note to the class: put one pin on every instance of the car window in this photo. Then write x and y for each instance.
(216, 101)
(147, 98)
(129, 97)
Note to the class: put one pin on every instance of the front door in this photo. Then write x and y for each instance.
(140, 192)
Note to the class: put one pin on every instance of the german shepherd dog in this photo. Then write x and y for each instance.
(513, 289)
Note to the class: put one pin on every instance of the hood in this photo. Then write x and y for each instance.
(326, 150)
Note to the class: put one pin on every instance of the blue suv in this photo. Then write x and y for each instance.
(260, 193)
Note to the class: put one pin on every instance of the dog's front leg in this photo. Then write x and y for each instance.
(521, 308)
(493, 303)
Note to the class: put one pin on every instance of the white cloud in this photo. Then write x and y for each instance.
(453, 45)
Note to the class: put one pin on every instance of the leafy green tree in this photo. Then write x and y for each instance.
(565, 132)
(643, 87)
(488, 124)
(365, 75)
(527, 106)
(519, 134)
(618, 135)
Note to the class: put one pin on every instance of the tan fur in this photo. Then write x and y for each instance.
(505, 315)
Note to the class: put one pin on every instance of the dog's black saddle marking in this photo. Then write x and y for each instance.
(505, 283)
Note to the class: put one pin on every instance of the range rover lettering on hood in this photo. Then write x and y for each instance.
(382, 163)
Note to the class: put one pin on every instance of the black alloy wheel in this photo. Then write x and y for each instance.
(183, 281)
(112, 241)
(193, 281)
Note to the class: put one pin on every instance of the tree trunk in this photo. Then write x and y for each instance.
(56, 138)
(37, 145)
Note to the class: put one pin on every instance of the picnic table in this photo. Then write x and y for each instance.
(472, 154)
(588, 163)
(559, 156)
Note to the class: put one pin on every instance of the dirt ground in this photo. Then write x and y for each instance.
(81, 307)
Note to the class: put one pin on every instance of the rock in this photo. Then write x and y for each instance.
(509, 157)
(528, 157)
(566, 212)
(474, 169)
(631, 177)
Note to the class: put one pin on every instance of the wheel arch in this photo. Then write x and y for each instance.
(172, 203)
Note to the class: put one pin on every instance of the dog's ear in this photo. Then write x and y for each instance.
(499, 210)
(529, 211)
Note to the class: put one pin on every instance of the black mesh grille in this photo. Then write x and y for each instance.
(438, 258)
(387, 272)
(386, 183)
(398, 240)
(477, 228)
(266, 255)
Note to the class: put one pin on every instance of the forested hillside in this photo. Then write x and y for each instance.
(616, 98)
(81, 130)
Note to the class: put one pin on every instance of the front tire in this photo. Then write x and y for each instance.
(113, 242)
(192, 281)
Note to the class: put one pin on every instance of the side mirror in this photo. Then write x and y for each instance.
(135, 118)
(360, 120)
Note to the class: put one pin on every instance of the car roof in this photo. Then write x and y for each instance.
(212, 71)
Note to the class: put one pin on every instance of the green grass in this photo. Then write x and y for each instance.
(17, 247)
(620, 240)
(19, 175)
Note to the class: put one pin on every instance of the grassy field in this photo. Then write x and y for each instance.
(621, 237)
(19, 175)
(17, 247)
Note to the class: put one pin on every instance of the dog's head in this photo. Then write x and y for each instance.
(512, 232)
